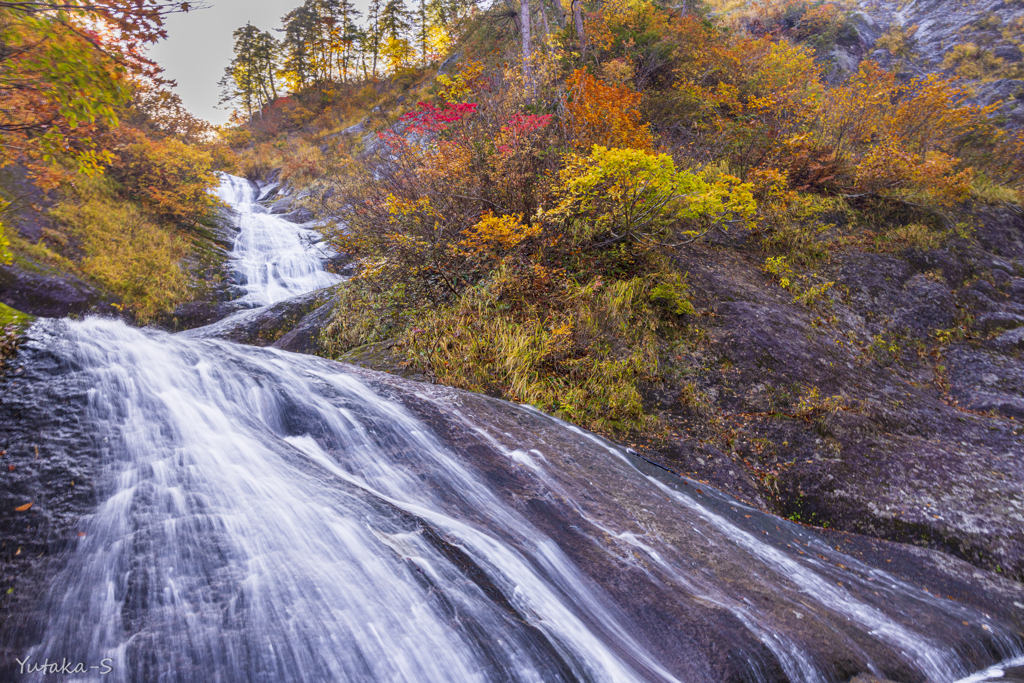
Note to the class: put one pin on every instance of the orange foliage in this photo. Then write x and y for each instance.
(764, 105)
(603, 114)
(172, 179)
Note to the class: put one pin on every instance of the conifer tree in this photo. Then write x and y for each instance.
(422, 29)
(371, 39)
(301, 27)
(249, 79)
(394, 20)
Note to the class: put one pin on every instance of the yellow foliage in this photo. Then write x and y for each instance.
(971, 61)
(641, 196)
(494, 235)
(898, 41)
(5, 254)
(461, 87)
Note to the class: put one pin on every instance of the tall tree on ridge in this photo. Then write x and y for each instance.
(372, 34)
(524, 26)
(248, 79)
(300, 29)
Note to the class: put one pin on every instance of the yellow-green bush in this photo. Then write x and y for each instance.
(972, 61)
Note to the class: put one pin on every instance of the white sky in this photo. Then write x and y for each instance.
(199, 44)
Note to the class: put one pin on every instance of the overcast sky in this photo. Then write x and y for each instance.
(199, 43)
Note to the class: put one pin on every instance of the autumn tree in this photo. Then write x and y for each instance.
(64, 69)
(171, 178)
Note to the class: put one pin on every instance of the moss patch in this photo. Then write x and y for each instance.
(12, 316)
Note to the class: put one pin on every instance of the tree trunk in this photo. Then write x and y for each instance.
(544, 22)
(524, 20)
(577, 19)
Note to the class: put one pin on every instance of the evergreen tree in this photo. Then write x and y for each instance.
(371, 40)
(249, 79)
(394, 20)
(345, 35)
(301, 27)
(423, 29)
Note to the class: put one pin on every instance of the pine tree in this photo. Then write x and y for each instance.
(423, 29)
(301, 26)
(249, 78)
(348, 35)
(372, 38)
(394, 20)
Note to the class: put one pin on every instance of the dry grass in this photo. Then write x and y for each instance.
(125, 250)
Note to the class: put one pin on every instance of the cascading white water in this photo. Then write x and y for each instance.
(273, 517)
(267, 517)
(275, 258)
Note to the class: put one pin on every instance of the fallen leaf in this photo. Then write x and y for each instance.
(18, 552)
(699, 491)
(10, 468)
(22, 508)
(81, 533)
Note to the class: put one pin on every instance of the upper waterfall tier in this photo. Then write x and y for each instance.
(275, 258)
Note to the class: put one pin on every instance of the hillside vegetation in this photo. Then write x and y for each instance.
(704, 231)
(516, 221)
(105, 181)
(768, 243)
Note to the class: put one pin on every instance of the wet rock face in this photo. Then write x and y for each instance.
(941, 24)
(299, 319)
(938, 26)
(49, 460)
(304, 337)
(37, 290)
(858, 415)
(713, 590)
(922, 307)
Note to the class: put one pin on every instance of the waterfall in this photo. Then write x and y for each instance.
(275, 258)
(266, 516)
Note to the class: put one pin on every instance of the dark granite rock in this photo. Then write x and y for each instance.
(917, 445)
(1008, 53)
(46, 292)
(991, 322)
(1015, 288)
(305, 336)
(264, 326)
(1010, 341)
(923, 307)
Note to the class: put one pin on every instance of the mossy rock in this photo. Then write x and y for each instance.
(12, 316)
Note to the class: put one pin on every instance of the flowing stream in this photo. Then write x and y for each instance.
(263, 516)
(274, 258)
